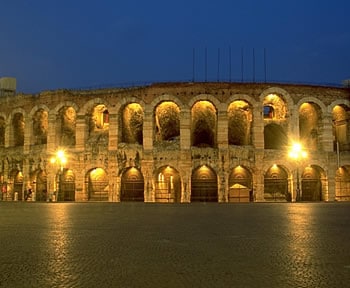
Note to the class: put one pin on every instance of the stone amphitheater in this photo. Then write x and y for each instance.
(176, 142)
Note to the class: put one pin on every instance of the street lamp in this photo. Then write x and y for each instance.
(297, 153)
(60, 160)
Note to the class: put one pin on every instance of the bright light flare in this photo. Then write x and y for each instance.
(297, 151)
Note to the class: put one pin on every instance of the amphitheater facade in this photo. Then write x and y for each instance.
(176, 142)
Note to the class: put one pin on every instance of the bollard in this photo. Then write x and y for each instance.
(16, 196)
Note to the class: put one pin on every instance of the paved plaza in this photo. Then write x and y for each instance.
(174, 245)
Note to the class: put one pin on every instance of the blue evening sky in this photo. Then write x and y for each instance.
(49, 44)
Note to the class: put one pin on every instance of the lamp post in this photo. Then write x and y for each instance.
(297, 153)
(60, 160)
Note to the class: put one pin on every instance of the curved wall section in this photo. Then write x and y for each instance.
(176, 142)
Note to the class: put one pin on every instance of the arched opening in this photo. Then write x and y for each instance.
(17, 191)
(204, 185)
(311, 184)
(342, 184)
(309, 125)
(240, 185)
(18, 129)
(240, 117)
(168, 185)
(66, 126)
(131, 129)
(167, 122)
(276, 186)
(132, 185)
(40, 127)
(341, 128)
(97, 185)
(40, 179)
(67, 185)
(98, 127)
(275, 137)
(204, 124)
(274, 108)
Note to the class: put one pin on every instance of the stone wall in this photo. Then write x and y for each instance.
(180, 141)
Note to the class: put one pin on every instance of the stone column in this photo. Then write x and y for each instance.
(330, 196)
(258, 127)
(326, 137)
(113, 132)
(185, 130)
(222, 129)
(52, 140)
(28, 131)
(80, 132)
(148, 129)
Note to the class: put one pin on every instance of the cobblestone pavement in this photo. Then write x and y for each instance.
(177, 245)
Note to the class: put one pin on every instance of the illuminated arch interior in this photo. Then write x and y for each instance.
(66, 126)
(204, 123)
(167, 121)
(40, 126)
(132, 124)
(204, 185)
(274, 107)
(309, 125)
(240, 117)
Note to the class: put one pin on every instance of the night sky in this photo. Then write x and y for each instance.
(91, 44)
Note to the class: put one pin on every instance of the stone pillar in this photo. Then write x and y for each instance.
(258, 185)
(28, 131)
(222, 130)
(52, 140)
(146, 169)
(81, 193)
(326, 137)
(185, 129)
(330, 196)
(148, 129)
(27, 181)
(258, 127)
(113, 132)
(80, 132)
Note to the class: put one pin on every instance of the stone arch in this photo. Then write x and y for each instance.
(96, 181)
(310, 125)
(66, 185)
(167, 98)
(313, 180)
(132, 185)
(40, 124)
(280, 92)
(205, 97)
(240, 184)
(39, 178)
(341, 127)
(167, 184)
(17, 120)
(66, 126)
(167, 122)
(96, 115)
(342, 183)
(131, 123)
(275, 137)
(240, 118)
(204, 124)
(314, 100)
(276, 184)
(15, 187)
(204, 185)
(86, 108)
(275, 107)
